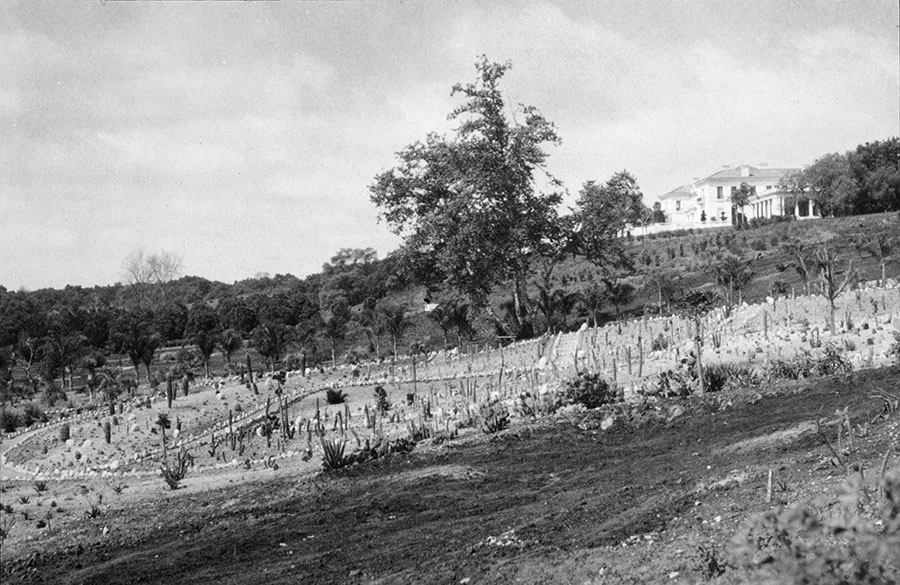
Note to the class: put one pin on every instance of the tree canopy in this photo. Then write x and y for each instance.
(469, 202)
(866, 180)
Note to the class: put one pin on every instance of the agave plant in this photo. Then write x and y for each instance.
(333, 454)
(335, 396)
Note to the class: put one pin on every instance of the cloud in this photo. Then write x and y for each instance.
(244, 136)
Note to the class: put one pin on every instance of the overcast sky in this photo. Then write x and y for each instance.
(244, 136)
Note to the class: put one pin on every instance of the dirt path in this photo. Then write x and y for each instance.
(546, 503)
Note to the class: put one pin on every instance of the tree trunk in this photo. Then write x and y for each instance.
(137, 371)
(495, 318)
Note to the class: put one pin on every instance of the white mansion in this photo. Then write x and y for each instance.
(707, 202)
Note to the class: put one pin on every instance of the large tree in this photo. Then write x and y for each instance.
(468, 204)
(143, 270)
(603, 212)
(203, 329)
(829, 182)
(740, 197)
(134, 333)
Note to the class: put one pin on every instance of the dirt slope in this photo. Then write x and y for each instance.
(550, 502)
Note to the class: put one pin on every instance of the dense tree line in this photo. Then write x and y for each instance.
(53, 335)
(865, 180)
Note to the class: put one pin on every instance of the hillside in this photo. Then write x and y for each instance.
(685, 262)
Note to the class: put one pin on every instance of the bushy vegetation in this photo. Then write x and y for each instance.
(335, 396)
(31, 414)
(175, 469)
(590, 390)
(800, 545)
(805, 365)
(9, 420)
(334, 456)
(382, 404)
(494, 417)
(716, 377)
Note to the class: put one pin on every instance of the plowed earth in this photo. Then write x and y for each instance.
(556, 501)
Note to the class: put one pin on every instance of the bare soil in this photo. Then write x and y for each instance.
(554, 501)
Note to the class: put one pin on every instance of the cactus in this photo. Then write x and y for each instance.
(64, 432)
(170, 389)
(107, 432)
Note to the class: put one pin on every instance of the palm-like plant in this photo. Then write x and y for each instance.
(458, 315)
(395, 323)
(163, 423)
(619, 293)
(732, 274)
(109, 383)
(441, 315)
(592, 300)
(229, 342)
(563, 303)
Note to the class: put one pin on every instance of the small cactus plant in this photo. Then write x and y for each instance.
(107, 432)
(64, 432)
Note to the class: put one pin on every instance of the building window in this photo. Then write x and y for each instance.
(733, 189)
(678, 206)
(719, 193)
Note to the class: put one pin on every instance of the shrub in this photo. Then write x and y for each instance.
(32, 413)
(805, 365)
(382, 404)
(9, 420)
(832, 362)
(659, 343)
(494, 418)
(672, 383)
(715, 377)
(759, 245)
(590, 390)
(797, 545)
(779, 287)
(722, 376)
(335, 396)
(894, 351)
(174, 472)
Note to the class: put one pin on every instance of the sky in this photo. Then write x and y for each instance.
(244, 136)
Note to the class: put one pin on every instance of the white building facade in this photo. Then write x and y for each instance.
(706, 203)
